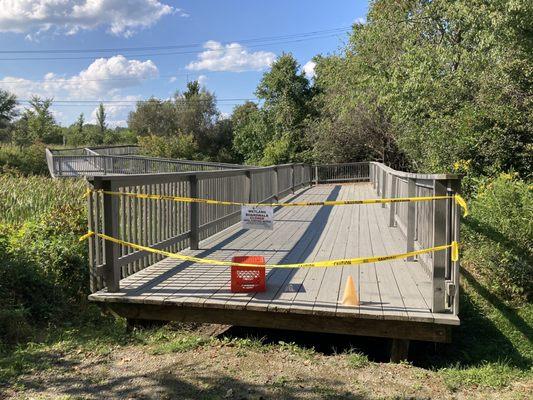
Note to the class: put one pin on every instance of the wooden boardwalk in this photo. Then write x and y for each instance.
(389, 291)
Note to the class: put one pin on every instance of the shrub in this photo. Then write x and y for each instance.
(178, 146)
(27, 160)
(499, 237)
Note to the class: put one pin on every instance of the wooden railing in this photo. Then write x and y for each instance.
(347, 172)
(175, 226)
(425, 224)
(169, 225)
(103, 161)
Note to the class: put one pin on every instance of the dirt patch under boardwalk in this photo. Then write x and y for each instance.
(197, 366)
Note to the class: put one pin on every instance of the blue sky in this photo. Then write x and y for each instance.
(214, 35)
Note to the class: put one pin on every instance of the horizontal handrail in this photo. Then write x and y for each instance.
(69, 165)
(411, 175)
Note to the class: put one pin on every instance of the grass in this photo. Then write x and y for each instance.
(296, 350)
(21, 199)
(491, 375)
(492, 347)
(357, 360)
(179, 343)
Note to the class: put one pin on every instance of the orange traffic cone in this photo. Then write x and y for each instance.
(350, 297)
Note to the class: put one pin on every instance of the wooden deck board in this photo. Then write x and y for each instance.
(395, 290)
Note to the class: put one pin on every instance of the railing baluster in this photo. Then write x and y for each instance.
(194, 237)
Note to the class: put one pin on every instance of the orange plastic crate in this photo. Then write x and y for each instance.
(248, 279)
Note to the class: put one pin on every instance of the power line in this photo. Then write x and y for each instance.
(130, 103)
(136, 101)
(180, 46)
(76, 80)
(164, 54)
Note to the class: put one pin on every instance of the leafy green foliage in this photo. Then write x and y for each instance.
(179, 146)
(357, 360)
(451, 80)
(499, 237)
(101, 123)
(42, 264)
(252, 132)
(275, 132)
(27, 161)
(8, 103)
(41, 123)
(192, 114)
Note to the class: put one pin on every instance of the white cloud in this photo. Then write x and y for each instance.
(116, 114)
(119, 17)
(202, 80)
(104, 77)
(231, 57)
(309, 69)
(360, 20)
(172, 79)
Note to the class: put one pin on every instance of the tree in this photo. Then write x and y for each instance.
(154, 117)
(196, 113)
(192, 112)
(8, 104)
(76, 133)
(79, 125)
(101, 119)
(446, 84)
(21, 135)
(179, 146)
(252, 132)
(41, 125)
(275, 132)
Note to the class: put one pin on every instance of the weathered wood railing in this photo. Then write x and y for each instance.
(103, 161)
(176, 226)
(337, 173)
(169, 225)
(425, 224)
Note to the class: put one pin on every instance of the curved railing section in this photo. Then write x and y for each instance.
(119, 160)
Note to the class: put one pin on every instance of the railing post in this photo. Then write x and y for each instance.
(194, 236)
(316, 174)
(439, 238)
(384, 188)
(275, 184)
(111, 271)
(248, 187)
(456, 233)
(292, 178)
(393, 194)
(379, 181)
(411, 217)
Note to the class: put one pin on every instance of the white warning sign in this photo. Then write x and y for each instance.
(257, 217)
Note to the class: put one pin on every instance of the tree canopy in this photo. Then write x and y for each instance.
(444, 85)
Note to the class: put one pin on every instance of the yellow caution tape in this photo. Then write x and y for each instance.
(456, 197)
(318, 264)
(462, 202)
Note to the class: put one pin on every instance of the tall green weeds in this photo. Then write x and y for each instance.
(43, 267)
